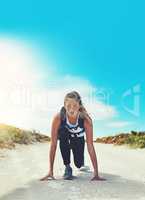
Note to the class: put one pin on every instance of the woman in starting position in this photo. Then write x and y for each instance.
(69, 126)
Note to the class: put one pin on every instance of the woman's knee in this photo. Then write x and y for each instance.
(78, 164)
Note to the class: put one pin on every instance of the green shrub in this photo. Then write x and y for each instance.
(136, 141)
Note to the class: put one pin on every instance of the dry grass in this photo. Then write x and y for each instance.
(133, 139)
(10, 136)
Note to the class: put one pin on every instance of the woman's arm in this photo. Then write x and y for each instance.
(90, 146)
(53, 146)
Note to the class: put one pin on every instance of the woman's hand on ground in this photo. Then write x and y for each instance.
(98, 178)
(49, 176)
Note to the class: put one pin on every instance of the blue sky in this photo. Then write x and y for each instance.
(98, 44)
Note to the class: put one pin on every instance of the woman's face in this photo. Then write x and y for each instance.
(72, 107)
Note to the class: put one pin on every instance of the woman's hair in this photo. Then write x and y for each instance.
(75, 95)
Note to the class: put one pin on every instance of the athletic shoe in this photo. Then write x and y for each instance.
(68, 173)
(84, 168)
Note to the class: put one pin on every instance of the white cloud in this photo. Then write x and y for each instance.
(26, 102)
(19, 63)
(18, 74)
(118, 124)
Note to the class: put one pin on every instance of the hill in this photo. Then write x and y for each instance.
(134, 139)
(10, 136)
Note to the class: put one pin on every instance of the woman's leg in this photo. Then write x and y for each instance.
(78, 145)
(65, 152)
(64, 145)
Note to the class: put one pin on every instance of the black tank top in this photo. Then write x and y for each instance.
(73, 130)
